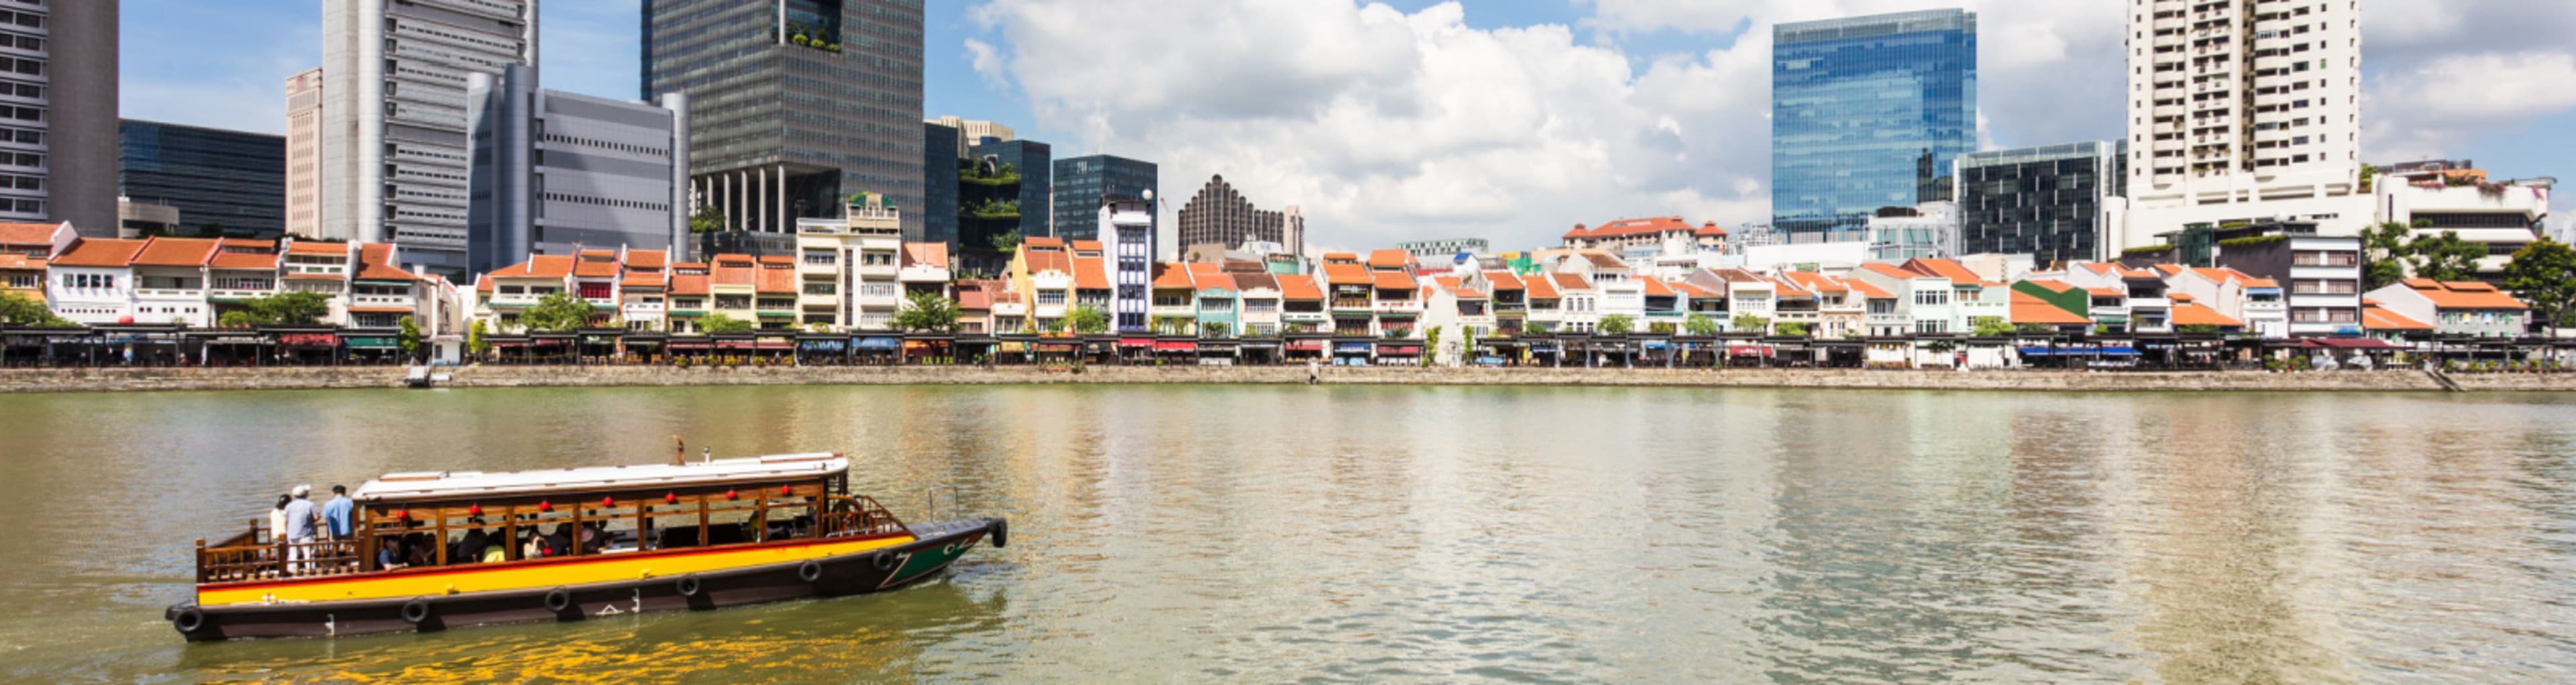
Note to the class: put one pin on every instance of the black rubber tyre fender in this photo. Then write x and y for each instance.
(1001, 534)
(884, 560)
(689, 586)
(558, 599)
(810, 571)
(415, 611)
(188, 620)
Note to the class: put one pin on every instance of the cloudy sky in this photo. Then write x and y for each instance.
(1509, 120)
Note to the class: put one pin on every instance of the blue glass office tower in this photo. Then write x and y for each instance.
(1082, 182)
(939, 183)
(1855, 104)
(223, 182)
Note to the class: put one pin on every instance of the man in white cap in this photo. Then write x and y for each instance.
(300, 519)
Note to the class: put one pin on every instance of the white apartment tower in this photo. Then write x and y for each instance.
(394, 152)
(304, 154)
(2244, 110)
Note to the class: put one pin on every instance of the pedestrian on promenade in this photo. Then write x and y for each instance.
(1314, 372)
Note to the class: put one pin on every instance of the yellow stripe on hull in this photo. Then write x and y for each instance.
(449, 580)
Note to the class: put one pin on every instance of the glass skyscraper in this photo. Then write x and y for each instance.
(794, 105)
(1855, 105)
(223, 182)
(1081, 182)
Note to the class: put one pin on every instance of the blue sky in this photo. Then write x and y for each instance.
(223, 64)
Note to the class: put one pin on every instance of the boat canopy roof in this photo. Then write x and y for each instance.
(449, 485)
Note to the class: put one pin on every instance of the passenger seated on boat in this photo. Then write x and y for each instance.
(676, 537)
(535, 546)
(422, 552)
(725, 534)
(496, 546)
(393, 555)
(469, 548)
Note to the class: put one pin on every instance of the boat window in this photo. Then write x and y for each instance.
(608, 529)
(541, 532)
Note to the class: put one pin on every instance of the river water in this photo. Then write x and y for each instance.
(1263, 534)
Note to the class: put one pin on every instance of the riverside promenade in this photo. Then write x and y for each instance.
(511, 376)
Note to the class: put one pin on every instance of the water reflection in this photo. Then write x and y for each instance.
(1370, 534)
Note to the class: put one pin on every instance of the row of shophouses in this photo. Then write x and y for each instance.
(855, 274)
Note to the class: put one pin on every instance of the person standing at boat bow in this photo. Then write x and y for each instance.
(300, 518)
(335, 521)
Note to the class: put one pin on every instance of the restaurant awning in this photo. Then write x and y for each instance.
(374, 343)
(1400, 350)
(2349, 344)
(1135, 342)
(822, 345)
(1351, 348)
(880, 343)
(1750, 351)
(1176, 346)
(2085, 351)
(1306, 345)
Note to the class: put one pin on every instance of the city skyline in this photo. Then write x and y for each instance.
(1671, 95)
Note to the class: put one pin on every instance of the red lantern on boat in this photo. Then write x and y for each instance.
(475, 510)
(729, 494)
(784, 491)
(543, 505)
(607, 502)
(670, 498)
(402, 514)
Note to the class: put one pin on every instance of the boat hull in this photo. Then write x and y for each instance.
(936, 547)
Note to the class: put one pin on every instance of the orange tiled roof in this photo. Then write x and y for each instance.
(1041, 260)
(167, 251)
(2189, 314)
(1255, 281)
(1395, 280)
(1783, 287)
(972, 296)
(2376, 318)
(776, 278)
(1657, 288)
(262, 254)
(376, 263)
(14, 233)
(1503, 280)
(590, 263)
(934, 255)
(1693, 291)
(1091, 273)
(1171, 275)
(2252, 282)
(2105, 292)
(1389, 259)
(2464, 295)
(2178, 298)
(1890, 271)
(1571, 282)
(647, 259)
(1541, 287)
(1644, 226)
(1080, 246)
(2053, 285)
(638, 280)
(1945, 268)
(1817, 282)
(308, 247)
(2028, 308)
(1047, 242)
(99, 252)
(1578, 231)
(689, 284)
(1336, 273)
(15, 260)
(1868, 291)
(537, 266)
(1341, 257)
(733, 269)
(1601, 260)
(1300, 287)
(1710, 229)
(2169, 269)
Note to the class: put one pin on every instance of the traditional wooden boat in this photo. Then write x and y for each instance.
(440, 550)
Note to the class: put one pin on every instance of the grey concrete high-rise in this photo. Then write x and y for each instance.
(795, 104)
(58, 132)
(554, 172)
(393, 116)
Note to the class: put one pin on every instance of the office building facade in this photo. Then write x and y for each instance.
(393, 117)
(1856, 104)
(1220, 216)
(1082, 183)
(939, 182)
(2056, 203)
(1125, 225)
(796, 104)
(304, 154)
(223, 183)
(2244, 112)
(555, 172)
(1035, 163)
(58, 136)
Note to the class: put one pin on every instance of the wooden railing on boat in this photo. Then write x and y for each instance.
(254, 555)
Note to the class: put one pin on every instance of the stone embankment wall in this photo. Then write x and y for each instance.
(79, 380)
